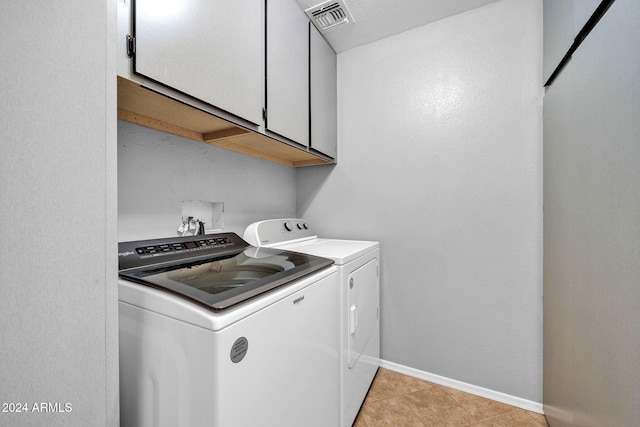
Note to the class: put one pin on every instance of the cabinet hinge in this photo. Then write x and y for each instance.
(264, 114)
(131, 46)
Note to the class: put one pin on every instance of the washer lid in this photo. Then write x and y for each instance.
(340, 251)
(215, 275)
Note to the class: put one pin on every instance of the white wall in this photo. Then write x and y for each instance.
(58, 272)
(440, 159)
(157, 171)
(592, 221)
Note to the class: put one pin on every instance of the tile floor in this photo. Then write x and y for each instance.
(399, 400)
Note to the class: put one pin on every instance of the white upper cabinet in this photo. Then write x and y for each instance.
(209, 70)
(212, 50)
(288, 71)
(323, 80)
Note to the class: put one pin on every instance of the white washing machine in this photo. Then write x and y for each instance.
(358, 269)
(214, 332)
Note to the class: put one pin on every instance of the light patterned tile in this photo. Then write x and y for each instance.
(518, 418)
(539, 418)
(396, 399)
(478, 406)
(359, 422)
(389, 412)
(435, 407)
(380, 389)
(404, 383)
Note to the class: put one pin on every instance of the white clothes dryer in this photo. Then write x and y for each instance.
(358, 273)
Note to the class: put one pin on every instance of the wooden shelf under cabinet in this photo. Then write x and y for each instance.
(145, 107)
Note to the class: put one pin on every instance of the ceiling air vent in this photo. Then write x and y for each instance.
(329, 14)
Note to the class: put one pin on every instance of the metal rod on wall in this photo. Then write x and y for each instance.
(584, 32)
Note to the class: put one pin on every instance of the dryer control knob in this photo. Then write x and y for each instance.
(288, 226)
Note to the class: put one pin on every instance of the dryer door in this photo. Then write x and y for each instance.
(362, 309)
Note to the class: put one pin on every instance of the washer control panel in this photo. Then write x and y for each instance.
(156, 251)
(274, 231)
(218, 242)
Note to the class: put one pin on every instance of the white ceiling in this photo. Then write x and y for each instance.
(377, 19)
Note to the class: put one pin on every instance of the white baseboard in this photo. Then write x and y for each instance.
(518, 402)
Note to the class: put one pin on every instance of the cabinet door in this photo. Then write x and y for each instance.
(288, 71)
(212, 50)
(323, 95)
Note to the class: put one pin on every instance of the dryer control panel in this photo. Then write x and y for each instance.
(275, 231)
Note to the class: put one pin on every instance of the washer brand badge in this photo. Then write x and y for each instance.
(239, 349)
(298, 300)
(125, 253)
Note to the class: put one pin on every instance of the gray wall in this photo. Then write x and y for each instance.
(58, 311)
(440, 159)
(157, 171)
(592, 222)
